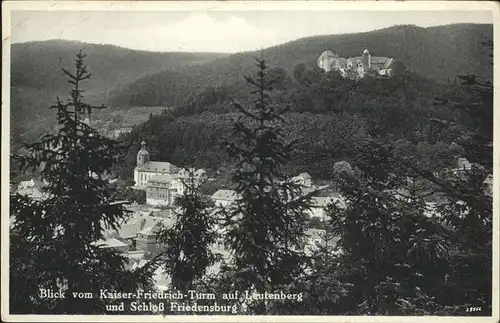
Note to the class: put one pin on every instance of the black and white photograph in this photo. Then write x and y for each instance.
(251, 161)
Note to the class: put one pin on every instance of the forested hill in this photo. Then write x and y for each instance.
(439, 53)
(329, 116)
(37, 64)
(37, 79)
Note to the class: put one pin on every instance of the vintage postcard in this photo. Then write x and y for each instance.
(292, 161)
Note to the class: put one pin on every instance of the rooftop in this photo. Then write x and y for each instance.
(159, 167)
(110, 243)
(226, 195)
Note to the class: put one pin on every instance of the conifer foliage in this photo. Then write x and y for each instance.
(54, 241)
(265, 227)
(188, 242)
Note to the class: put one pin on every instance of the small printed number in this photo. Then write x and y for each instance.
(473, 309)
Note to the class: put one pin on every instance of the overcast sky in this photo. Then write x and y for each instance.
(204, 31)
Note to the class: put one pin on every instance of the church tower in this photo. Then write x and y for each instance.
(142, 155)
(366, 58)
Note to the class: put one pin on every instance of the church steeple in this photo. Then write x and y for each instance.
(142, 155)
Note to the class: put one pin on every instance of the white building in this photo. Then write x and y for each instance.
(146, 169)
(161, 190)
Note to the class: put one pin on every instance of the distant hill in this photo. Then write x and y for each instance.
(37, 64)
(439, 53)
(36, 77)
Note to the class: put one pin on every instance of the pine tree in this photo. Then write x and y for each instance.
(266, 225)
(468, 208)
(392, 252)
(188, 243)
(54, 240)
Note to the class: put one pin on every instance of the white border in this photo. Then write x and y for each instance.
(7, 7)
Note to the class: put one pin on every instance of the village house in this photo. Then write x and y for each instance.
(161, 190)
(358, 66)
(147, 238)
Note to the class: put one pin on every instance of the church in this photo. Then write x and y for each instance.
(163, 181)
(146, 169)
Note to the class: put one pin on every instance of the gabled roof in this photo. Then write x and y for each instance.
(304, 175)
(378, 60)
(152, 230)
(327, 53)
(156, 225)
(134, 224)
(225, 195)
(158, 167)
(26, 184)
(32, 192)
(110, 243)
(388, 63)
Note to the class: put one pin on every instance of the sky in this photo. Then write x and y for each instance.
(215, 31)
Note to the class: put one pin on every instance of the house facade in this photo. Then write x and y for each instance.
(161, 190)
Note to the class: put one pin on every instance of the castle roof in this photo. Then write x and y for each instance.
(388, 63)
(327, 53)
(158, 167)
(378, 62)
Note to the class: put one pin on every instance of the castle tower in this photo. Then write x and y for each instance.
(366, 58)
(142, 155)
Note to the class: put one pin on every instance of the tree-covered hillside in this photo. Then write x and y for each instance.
(329, 115)
(440, 53)
(36, 64)
(36, 79)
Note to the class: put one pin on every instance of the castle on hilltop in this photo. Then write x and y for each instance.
(356, 67)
